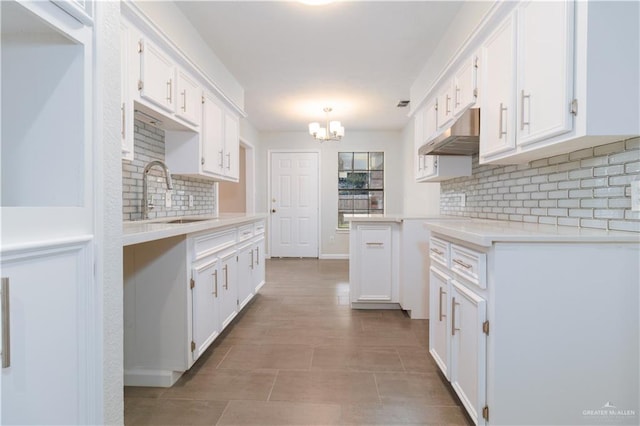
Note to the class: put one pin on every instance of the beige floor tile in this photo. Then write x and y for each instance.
(154, 412)
(223, 385)
(280, 413)
(427, 389)
(324, 386)
(284, 357)
(356, 359)
(402, 414)
(143, 392)
(417, 360)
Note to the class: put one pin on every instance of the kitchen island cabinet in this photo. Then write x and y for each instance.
(547, 293)
(181, 289)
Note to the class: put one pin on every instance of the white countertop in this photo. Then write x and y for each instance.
(141, 231)
(396, 218)
(484, 232)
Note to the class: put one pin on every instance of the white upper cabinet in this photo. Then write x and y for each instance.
(445, 106)
(211, 137)
(189, 102)
(157, 76)
(429, 120)
(126, 102)
(497, 112)
(544, 70)
(528, 78)
(465, 82)
(231, 145)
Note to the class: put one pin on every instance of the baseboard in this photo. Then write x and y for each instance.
(375, 305)
(151, 378)
(344, 256)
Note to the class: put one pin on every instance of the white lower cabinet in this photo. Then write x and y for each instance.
(374, 268)
(179, 294)
(513, 324)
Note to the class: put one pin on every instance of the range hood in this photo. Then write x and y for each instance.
(462, 138)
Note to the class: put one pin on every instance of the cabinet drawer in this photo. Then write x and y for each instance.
(439, 251)
(258, 228)
(245, 232)
(469, 265)
(214, 242)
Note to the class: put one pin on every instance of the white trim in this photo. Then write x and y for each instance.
(250, 175)
(151, 378)
(337, 256)
(269, 196)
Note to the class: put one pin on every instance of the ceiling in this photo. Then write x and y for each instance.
(360, 58)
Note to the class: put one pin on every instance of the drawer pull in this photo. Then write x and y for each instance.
(375, 244)
(440, 303)
(436, 251)
(461, 263)
(6, 329)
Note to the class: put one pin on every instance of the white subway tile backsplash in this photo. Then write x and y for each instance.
(148, 146)
(588, 188)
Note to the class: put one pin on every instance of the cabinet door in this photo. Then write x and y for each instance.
(189, 100)
(258, 265)
(496, 120)
(445, 106)
(468, 349)
(465, 86)
(418, 140)
(375, 267)
(246, 264)
(212, 142)
(231, 145)
(205, 296)
(545, 70)
(430, 120)
(52, 345)
(229, 294)
(157, 76)
(439, 296)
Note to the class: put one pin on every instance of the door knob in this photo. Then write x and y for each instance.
(273, 210)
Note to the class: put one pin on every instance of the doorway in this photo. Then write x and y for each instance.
(294, 190)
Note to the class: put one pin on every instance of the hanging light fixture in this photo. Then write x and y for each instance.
(332, 132)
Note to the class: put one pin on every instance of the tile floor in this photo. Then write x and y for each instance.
(298, 355)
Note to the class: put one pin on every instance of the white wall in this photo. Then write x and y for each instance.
(420, 199)
(166, 15)
(334, 243)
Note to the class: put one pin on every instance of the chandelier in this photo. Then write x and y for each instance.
(332, 132)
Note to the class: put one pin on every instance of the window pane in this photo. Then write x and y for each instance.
(376, 160)
(345, 161)
(360, 160)
(376, 200)
(376, 180)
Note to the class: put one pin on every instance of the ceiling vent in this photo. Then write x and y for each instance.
(403, 104)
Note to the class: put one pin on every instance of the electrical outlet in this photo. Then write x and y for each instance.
(167, 199)
(463, 199)
(190, 200)
(635, 195)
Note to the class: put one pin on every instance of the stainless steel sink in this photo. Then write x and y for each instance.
(185, 220)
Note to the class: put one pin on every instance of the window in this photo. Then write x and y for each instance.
(360, 184)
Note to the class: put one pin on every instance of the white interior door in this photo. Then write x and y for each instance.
(294, 204)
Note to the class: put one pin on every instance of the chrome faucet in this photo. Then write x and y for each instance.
(146, 203)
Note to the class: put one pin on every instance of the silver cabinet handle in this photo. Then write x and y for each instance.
(228, 160)
(169, 90)
(251, 260)
(215, 283)
(457, 104)
(447, 110)
(436, 251)
(500, 131)
(258, 255)
(226, 277)
(453, 316)
(440, 303)
(522, 98)
(221, 163)
(184, 100)
(375, 244)
(6, 324)
(123, 131)
(461, 263)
